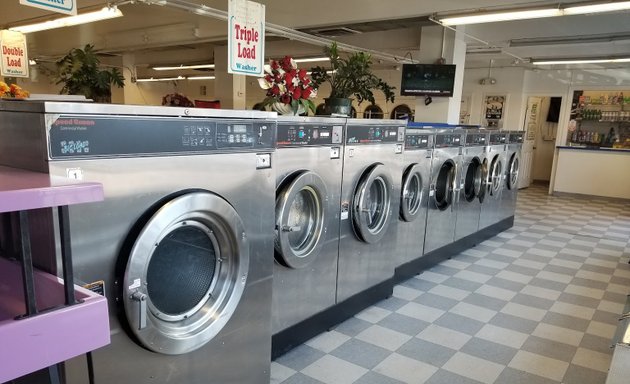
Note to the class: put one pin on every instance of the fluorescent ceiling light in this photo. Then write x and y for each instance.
(200, 77)
(500, 16)
(84, 18)
(311, 59)
(150, 79)
(581, 61)
(597, 8)
(174, 68)
(490, 17)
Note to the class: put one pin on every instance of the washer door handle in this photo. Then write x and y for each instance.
(141, 298)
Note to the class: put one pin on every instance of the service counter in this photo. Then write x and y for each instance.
(593, 171)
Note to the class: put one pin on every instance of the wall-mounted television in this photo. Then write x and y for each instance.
(427, 80)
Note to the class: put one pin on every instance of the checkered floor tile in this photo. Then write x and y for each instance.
(535, 304)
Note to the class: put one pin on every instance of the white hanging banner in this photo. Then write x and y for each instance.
(68, 7)
(246, 37)
(13, 54)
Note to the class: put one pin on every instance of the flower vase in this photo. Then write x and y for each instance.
(286, 109)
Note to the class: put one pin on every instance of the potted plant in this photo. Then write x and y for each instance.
(350, 77)
(289, 90)
(80, 73)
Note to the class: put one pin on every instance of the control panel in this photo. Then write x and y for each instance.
(476, 139)
(414, 141)
(82, 136)
(371, 134)
(498, 138)
(309, 134)
(443, 140)
(516, 138)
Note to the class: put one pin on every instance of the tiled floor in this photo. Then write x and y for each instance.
(536, 304)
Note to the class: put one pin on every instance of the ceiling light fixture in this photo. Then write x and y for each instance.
(536, 13)
(174, 68)
(151, 79)
(84, 18)
(201, 77)
(581, 61)
(311, 59)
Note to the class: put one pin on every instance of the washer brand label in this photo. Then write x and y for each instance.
(96, 287)
(136, 284)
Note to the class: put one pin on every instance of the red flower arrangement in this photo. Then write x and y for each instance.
(177, 100)
(12, 91)
(288, 85)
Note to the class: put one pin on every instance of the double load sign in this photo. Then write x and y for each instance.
(246, 37)
(13, 54)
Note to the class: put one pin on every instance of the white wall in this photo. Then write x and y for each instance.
(510, 83)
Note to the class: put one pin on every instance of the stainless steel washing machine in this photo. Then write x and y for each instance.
(510, 186)
(414, 194)
(308, 164)
(370, 196)
(491, 209)
(472, 187)
(182, 245)
(445, 170)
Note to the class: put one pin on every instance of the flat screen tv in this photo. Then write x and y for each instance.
(427, 80)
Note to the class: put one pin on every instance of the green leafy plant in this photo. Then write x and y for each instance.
(80, 73)
(351, 77)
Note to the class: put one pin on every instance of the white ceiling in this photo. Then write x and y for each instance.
(163, 34)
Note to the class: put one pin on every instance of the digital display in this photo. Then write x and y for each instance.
(239, 128)
(427, 80)
(324, 134)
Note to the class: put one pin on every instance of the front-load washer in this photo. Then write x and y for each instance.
(491, 209)
(510, 186)
(414, 194)
(308, 164)
(471, 181)
(445, 168)
(182, 245)
(370, 196)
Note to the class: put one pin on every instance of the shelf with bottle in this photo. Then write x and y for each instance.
(599, 136)
(605, 99)
(603, 116)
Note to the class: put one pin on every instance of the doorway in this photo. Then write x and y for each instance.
(541, 126)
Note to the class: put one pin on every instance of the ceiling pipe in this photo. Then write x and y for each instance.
(278, 30)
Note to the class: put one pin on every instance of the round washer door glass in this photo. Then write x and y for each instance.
(473, 180)
(444, 185)
(300, 219)
(495, 176)
(411, 193)
(371, 204)
(186, 273)
(512, 182)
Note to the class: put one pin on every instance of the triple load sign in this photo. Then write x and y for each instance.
(246, 37)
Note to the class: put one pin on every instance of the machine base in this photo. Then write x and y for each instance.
(412, 268)
(283, 341)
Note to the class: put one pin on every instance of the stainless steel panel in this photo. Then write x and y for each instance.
(103, 232)
(468, 212)
(491, 209)
(240, 355)
(508, 198)
(410, 239)
(440, 230)
(363, 265)
(301, 293)
(22, 140)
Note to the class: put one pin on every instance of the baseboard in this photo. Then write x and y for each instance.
(283, 341)
(414, 267)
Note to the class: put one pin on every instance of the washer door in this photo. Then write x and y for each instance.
(484, 180)
(513, 166)
(495, 176)
(445, 185)
(300, 218)
(411, 193)
(371, 204)
(186, 273)
(473, 181)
